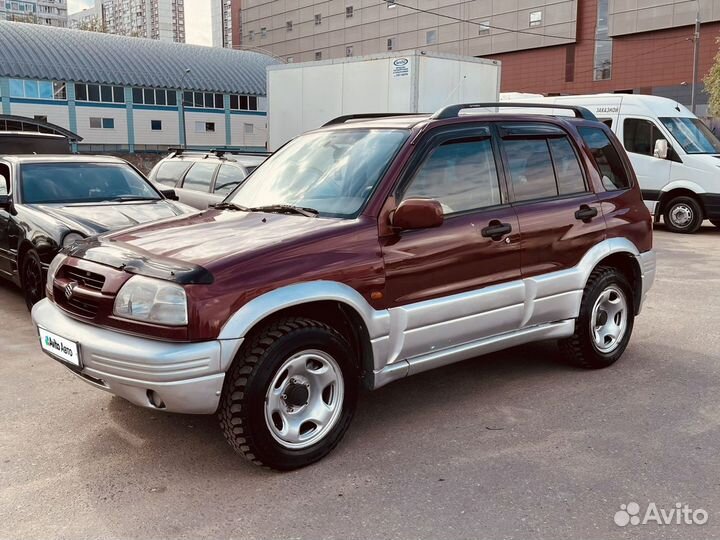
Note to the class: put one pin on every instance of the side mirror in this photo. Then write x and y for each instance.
(418, 214)
(661, 149)
(170, 194)
(5, 202)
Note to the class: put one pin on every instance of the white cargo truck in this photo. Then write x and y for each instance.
(304, 96)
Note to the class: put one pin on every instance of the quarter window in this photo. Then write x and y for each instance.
(611, 168)
(460, 174)
(639, 136)
(199, 177)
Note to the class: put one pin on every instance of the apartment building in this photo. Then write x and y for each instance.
(86, 19)
(546, 46)
(163, 20)
(45, 12)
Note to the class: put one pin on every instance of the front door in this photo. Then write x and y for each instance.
(639, 136)
(458, 282)
(560, 218)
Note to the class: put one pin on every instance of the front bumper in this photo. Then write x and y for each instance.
(171, 376)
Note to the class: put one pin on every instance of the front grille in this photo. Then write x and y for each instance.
(87, 307)
(90, 280)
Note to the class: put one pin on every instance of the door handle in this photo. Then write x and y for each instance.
(496, 230)
(586, 214)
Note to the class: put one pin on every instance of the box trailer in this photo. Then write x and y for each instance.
(304, 96)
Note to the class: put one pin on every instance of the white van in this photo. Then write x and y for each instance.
(675, 155)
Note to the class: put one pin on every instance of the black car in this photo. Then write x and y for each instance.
(49, 202)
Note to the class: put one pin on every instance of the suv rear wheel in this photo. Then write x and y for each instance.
(683, 215)
(605, 323)
(290, 395)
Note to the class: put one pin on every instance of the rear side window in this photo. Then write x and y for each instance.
(199, 177)
(531, 169)
(611, 168)
(170, 172)
(639, 136)
(459, 174)
(228, 178)
(567, 169)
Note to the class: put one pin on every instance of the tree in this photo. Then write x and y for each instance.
(712, 85)
(93, 24)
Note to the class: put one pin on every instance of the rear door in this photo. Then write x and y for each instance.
(6, 256)
(228, 178)
(195, 188)
(559, 216)
(454, 284)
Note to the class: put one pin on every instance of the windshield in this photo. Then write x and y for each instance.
(694, 136)
(82, 182)
(333, 172)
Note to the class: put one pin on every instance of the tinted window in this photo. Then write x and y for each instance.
(171, 98)
(639, 136)
(170, 172)
(461, 175)
(607, 158)
(567, 169)
(531, 169)
(199, 177)
(4, 179)
(81, 182)
(227, 179)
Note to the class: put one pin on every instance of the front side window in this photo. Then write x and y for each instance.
(199, 177)
(693, 135)
(460, 175)
(610, 166)
(531, 169)
(333, 172)
(639, 136)
(47, 183)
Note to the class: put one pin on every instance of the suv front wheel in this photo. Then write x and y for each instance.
(605, 323)
(290, 395)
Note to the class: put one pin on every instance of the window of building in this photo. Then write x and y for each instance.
(149, 96)
(318, 55)
(531, 169)
(391, 44)
(156, 125)
(40, 118)
(349, 50)
(200, 176)
(431, 37)
(639, 136)
(206, 100)
(536, 18)
(99, 93)
(290, 60)
(20, 88)
(288, 26)
(243, 103)
(391, 4)
(603, 44)
(102, 123)
(249, 129)
(263, 32)
(483, 28)
(460, 174)
(108, 123)
(609, 164)
(318, 18)
(204, 127)
(348, 12)
(251, 35)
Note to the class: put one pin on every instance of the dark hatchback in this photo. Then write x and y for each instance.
(49, 202)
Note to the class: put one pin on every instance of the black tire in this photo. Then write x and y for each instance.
(242, 405)
(715, 222)
(683, 206)
(31, 278)
(581, 349)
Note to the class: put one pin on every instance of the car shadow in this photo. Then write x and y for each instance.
(707, 229)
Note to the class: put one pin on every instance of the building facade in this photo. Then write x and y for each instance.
(546, 46)
(46, 12)
(87, 19)
(215, 98)
(163, 20)
(221, 20)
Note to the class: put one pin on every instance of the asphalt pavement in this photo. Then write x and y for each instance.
(511, 445)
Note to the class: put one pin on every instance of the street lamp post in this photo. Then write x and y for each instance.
(182, 103)
(696, 58)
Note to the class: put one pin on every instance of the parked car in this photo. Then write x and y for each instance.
(674, 154)
(204, 178)
(29, 142)
(48, 202)
(361, 253)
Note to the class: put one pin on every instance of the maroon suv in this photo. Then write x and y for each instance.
(360, 253)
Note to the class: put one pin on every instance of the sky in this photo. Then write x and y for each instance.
(197, 19)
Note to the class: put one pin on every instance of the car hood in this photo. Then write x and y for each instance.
(209, 240)
(97, 218)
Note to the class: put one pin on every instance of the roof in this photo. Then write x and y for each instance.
(34, 51)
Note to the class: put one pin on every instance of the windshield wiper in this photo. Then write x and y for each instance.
(129, 198)
(231, 206)
(286, 209)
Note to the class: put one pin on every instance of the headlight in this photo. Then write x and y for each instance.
(53, 268)
(152, 300)
(71, 238)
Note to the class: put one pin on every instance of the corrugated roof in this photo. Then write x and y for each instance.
(42, 52)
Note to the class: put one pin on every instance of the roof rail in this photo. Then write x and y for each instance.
(452, 111)
(348, 117)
